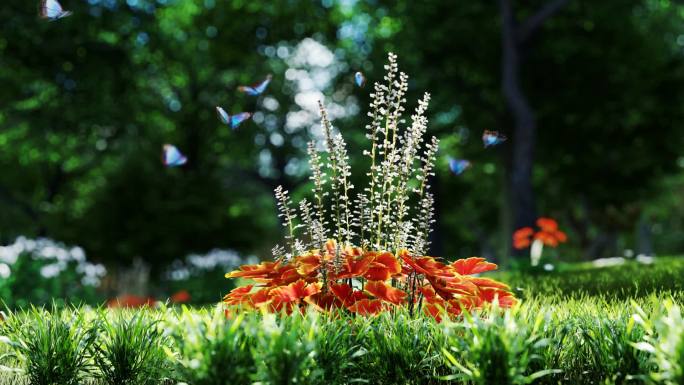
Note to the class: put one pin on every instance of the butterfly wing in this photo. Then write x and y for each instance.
(172, 157)
(52, 9)
(359, 79)
(492, 138)
(237, 119)
(458, 166)
(256, 89)
(261, 86)
(223, 115)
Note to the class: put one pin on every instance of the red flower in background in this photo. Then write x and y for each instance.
(548, 234)
(521, 237)
(182, 296)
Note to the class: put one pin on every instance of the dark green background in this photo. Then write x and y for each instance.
(86, 103)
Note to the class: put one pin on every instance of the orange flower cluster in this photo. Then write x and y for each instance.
(548, 233)
(367, 283)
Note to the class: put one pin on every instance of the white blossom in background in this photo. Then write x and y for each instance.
(57, 258)
(312, 69)
(196, 264)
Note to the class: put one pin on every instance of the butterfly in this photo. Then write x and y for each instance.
(458, 166)
(171, 157)
(359, 79)
(51, 10)
(232, 120)
(492, 138)
(256, 89)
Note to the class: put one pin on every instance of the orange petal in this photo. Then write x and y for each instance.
(521, 243)
(473, 266)
(261, 270)
(259, 298)
(429, 293)
(385, 292)
(489, 283)
(434, 310)
(426, 265)
(524, 232)
(277, 305)
(331, 247)
(561, 236)
(390, 262)
(355, 267)
(505, 298)
(547, 224)
(285, 275)
(237, 295)
(447, 287)
(324, 302)
(366, 307)
(308, 264)
(295, 292)
(377, 272)
(346, 294)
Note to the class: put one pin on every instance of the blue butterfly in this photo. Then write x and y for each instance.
(256, 89)
(359, 79)
(492, 138)
(171, 157)
(51, 10)
(232, 120)
(458, 166)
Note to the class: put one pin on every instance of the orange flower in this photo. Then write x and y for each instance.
(284, 275)
(473, 266)
(295, 292)
(447, 287)
(262, 270)
(244, 296)
(561, 236)
(308, 264)
(355, 266)
(346, 294)
(505, 298)
(426, 265)
(489, 283)
(434, 310)
(547, 238)
(429, 293)
(548, 234)
(547, 224)
(297, 284)
(383, 267)
(521, 237)
(366, 307)
(324, 301)
(237, 295)
(384, 292)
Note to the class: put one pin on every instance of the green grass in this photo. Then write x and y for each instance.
(629, 280)
(130, 349)
(629, 332)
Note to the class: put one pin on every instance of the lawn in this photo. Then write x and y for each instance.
(576, 325)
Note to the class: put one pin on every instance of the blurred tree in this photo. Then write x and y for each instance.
(606, 82)
(88, 101)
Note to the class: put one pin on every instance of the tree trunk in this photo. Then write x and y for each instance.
(524, 125)
(513, 38)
